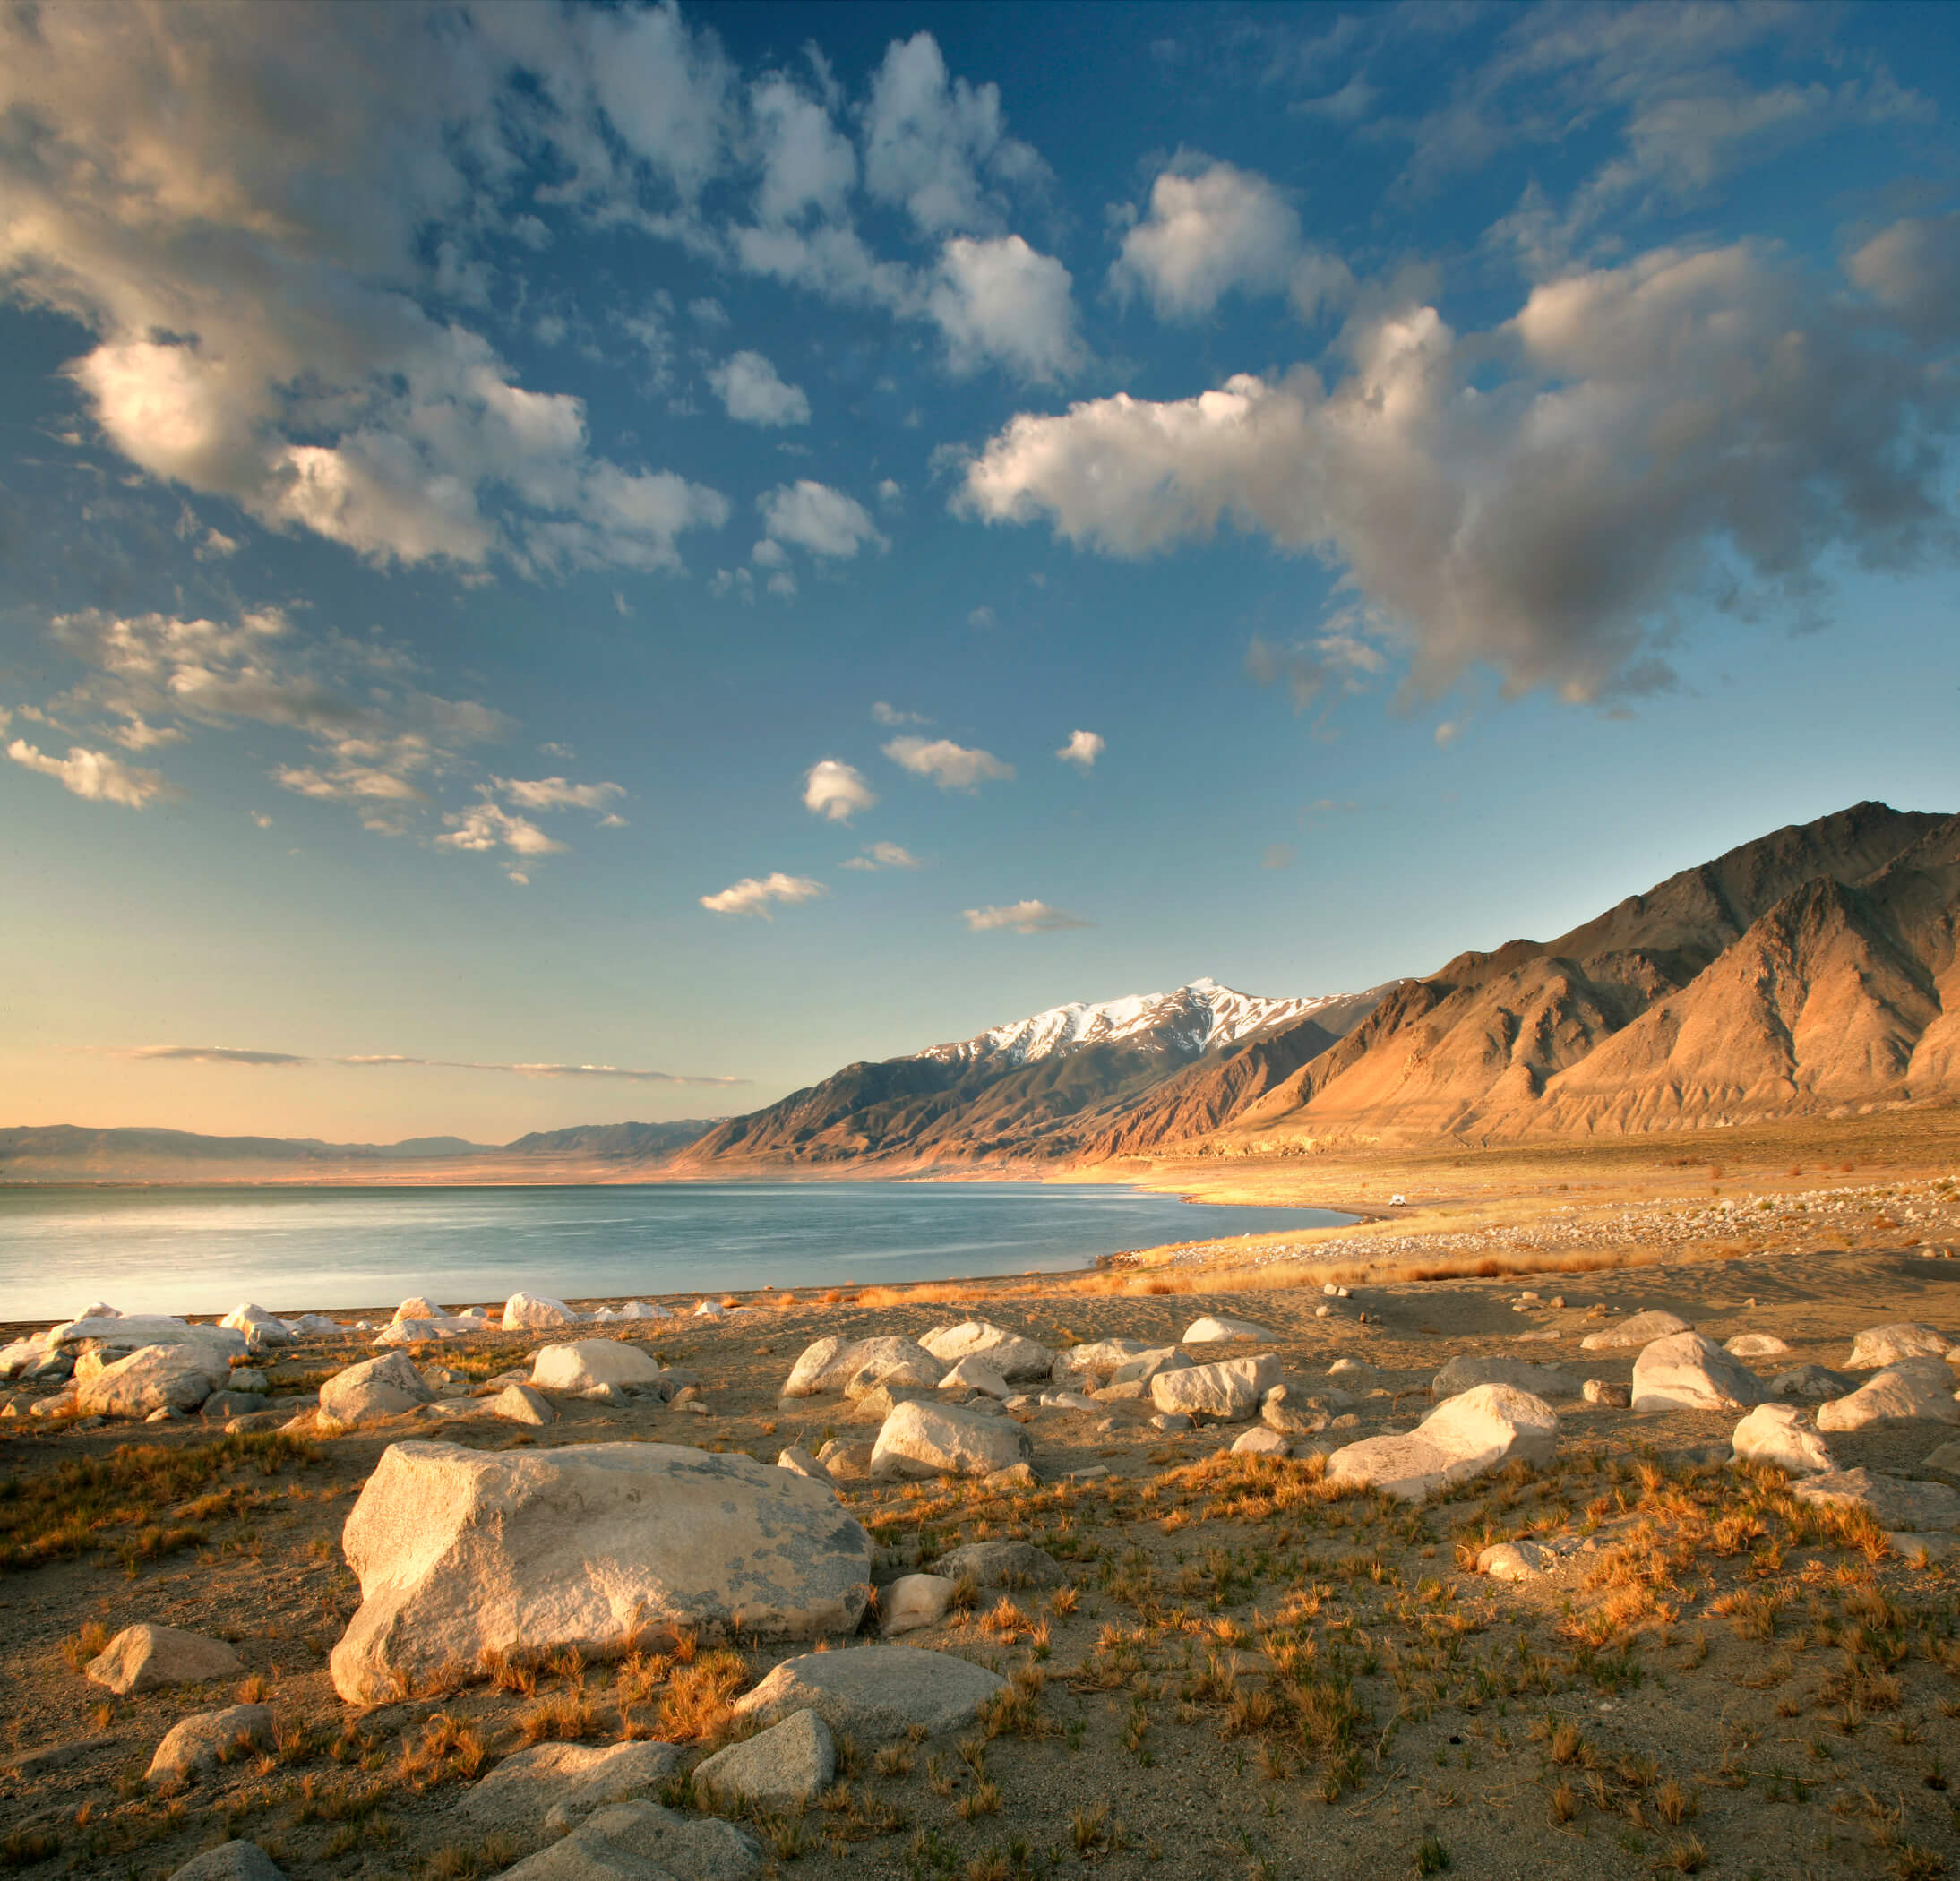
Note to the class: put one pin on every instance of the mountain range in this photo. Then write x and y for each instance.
(1815, 970)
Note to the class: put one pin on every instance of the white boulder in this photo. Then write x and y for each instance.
(1688, 1371)
(893, 1365)
(573, 1778)
(419, 1306)
(1516, 1560)
(1782, 1435)
(1214, 1329)
(876, 1692)
(914, 1600)
(642, 1841)
(153, 1377)
(376, 1388)
(780, 1768)
(522, 1404)
(1893, 1502)
(1145, 1365)
(259, 1326)
(523, 1312)
(599, 1546)
(1479, 1430)
(975, 1374)
(1098, 1358)
(1229, 1390)
(210, 1737)
(1879, 1345)
(1753, 1345)
(1639, 1330)
(1913, 1388)
(799, 1460)
(140, 1659)
(1260, 1441)
(1016, 1359)
(945, 1440)
(592, 1365)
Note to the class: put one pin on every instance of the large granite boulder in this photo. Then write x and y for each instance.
(230, 1862)
(153, 1378)
(528, 1313)
(259, 1326)
(1000, 1564)
(373, 1389)
(574, 1778)
(130, 1332)
(1098, 1358)
(1479, 1430)
(1782, 1435)
(603, 1547)
(522, 1404)
(875, 1692)
(1688, 1371)
(1465, 1370)
(1880, 1345)
(1639, 1330)
(945, 1440)
(642, 1841)
(1229, 1390)
(593, 1365)
(779, 1768)
(1913, 1388)
(1145, 1365)
(1812, 1381)
(892, 1364)
(975, 1374)
(1893, 1502)
(1016, 1359)
(196, 1744)
(140, 1659)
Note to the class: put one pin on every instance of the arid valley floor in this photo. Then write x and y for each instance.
(1239, 1670)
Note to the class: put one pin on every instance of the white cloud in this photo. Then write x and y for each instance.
(884, 855)
(95, 775)
(1082, 750)
(1535, 499)
(1024, 917)
(1214, 229)
(489, 826)
(835, 790)
(884, 714)
(999, 303)
(815, 517)
(557, 794)
(807, 163)
(751, 896)
(890, 494)
(396, 1061)
(1913, 269)
(952, 767)
(748, 385)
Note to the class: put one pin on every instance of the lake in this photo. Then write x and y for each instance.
(292, 1250)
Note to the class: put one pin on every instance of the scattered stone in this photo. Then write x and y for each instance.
(892, 1365)
(1100, 1358)
(1918, 1550)
(1893, 1502)
(1144, 1366)
(1278, 1411)
(589, 1365)
(522, 1404)
(1813, 1381)
(1781, 1434)
(1016, 1359)
(846, 1461)
(1002, 1564)
(1351, 1369)
(1516, 1560)
(914, 1600)
(1066, 1401)
(1479, 1430)
(1229, 1390)
(642, 1841)
(210, 1738)
(260, 1329)
(231, 1862)
(247, 1377)
(522, 1312)
(419, 1306)
(140, 1659)
(781, 1768)
(1015, 1476)
(1913, 1388)
(1171, 1420)
(598, 1546)
(376, 1388)
(804, 1463)
(1464, 1371)
(1606, 1393)
(153, 1378)
(945, 1440)
(1214, 1328)
(1688, 1371)
(1260, 1440)
(876, 1692)
(1639, 1330)
(221, 1406)
(577, 1778)
(1753, 1345)
(973, 1373)
(1879, 1345)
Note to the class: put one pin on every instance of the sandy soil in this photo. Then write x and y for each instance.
(1253, 1677)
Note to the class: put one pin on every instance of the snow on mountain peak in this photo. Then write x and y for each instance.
(1196, 1018)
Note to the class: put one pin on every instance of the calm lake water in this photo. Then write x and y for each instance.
(206, 1250)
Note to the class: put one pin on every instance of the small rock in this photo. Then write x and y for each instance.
(781, 1767)
(973, 1373)
(914, 1600)
(804, 1463)
(522, 1404)
(846, 1461)
(231, 1862)
(876, 1692)
(1170, 1421)
(210, 1738)
(141, 1658)
(1214, 1329)
(525, 1312)
(642, 1841)
(1516, 1560)
(1260, 1440)
(1753, 1345)
(1918, 1550)
(1066, 1401)
(1100, 1358)
(1015, 1476)
(1944, 1459)
(1895, 1502)
(1605, 1392)
(1143, 1366)
(1002, 1564)
(1781, 1434)
(576, 1778)
(1813, 1381)
(1640, 1330)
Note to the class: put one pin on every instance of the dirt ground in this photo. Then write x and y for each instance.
(1246, 1675)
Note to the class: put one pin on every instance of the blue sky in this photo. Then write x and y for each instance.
(565, 564)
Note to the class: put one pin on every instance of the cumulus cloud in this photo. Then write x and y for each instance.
(1212, 230)
(557, 794)
(1024, 917)
(1082, 750)
(884, 855)
(836, 791)
(99, 775)
(952, 767)
(883, 713)
(752, 895)
(748, 385)
(1913, 269)
(1537, 498)
(999, 303)
(815, 517)
(378, 1060)
(486, 825)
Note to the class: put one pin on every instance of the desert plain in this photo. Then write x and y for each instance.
(1224, 1664)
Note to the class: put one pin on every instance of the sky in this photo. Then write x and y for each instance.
(562, 563)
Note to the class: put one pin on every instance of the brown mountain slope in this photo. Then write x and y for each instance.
(1480, 1047)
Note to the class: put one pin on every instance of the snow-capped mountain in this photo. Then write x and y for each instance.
(1202, 1016)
